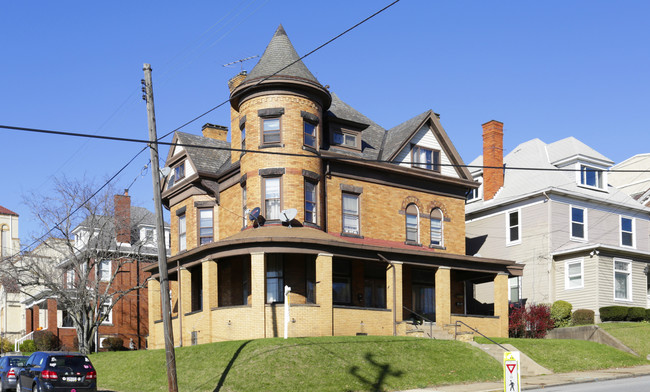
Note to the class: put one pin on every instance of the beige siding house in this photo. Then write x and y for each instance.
(579, 238)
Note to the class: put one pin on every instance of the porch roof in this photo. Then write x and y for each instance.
(276, 239)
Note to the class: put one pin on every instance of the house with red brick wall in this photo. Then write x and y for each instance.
(125, 243)
(356, 228)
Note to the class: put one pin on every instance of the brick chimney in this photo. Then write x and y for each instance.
(218, 132)
(236, 81)
(492, 157)
(123, 217)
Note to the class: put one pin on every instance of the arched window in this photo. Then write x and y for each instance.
(436, 227)
(412, 223)
(4, 240)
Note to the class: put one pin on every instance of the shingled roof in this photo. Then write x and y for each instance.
(206, 160)
(398, 135)
(278, 55)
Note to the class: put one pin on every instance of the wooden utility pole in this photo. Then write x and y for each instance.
(160, 228)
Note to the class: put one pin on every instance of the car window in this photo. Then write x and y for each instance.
(2, 362)
(73, 361)
(17, 362)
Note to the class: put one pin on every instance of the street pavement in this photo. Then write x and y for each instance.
(546, 380)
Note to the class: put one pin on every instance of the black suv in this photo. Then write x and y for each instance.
(57, 372)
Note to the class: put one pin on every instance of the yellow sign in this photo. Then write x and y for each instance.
(511, 377)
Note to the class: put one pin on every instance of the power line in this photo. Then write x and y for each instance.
(316, 155)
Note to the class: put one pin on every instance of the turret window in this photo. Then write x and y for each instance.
(310, 134)
(310, 201)
(272, 200)
(271, 130)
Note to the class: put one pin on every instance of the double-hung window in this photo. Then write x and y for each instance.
(344, 139)
(243, 205)
(590, 176)
(206, 226)
(309, 134)
(578, 223)
(627, 231)
(274, 278)
(182, 233)
(513, 227)
(350, 213)
(436, 227)
(425, 158)
(106, 312)
(104, 271)
(622, 280)
(310, 201)
(70, 278)
(573, 274)
(412, 226)
(243, 137)
(272, 201)
(271, 130)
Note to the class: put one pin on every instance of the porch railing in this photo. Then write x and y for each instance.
(423, 319)
(18, 341)
(458, 323)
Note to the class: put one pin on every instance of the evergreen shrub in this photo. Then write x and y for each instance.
(582, 317)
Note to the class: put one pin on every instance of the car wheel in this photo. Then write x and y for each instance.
(36, 388)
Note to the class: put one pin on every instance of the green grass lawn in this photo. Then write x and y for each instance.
(634, 335)
(301, 364)
(566, 355)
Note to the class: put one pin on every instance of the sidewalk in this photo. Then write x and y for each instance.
(542, 381)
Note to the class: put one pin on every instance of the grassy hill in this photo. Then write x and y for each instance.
(301, 364)
(357, 363)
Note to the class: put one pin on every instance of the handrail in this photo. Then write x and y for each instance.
(424, 319)
(478, 332)
(18, 341)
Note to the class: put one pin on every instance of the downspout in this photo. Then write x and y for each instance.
(549, 268)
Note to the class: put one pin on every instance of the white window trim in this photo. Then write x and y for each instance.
(514, 282)
(567, 281)
(584, 224)
(417, 224)
(620, 232)
(99, 271)
(442, 228)
(109, 319)
(508, 241)
(603, 176)
(629, 280)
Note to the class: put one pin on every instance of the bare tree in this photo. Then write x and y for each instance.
(90, 232)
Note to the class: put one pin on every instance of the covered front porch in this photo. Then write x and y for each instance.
(236, 294)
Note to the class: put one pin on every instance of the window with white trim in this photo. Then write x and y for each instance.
(104, 271)
(578, 223)
(573, 274)
(590, 176)
(627, 232)
(513, 227)
(514, 289)
(106, 311)
(178, 173)
(412, 224)
(70, 278)
(436, 227)
(622, 280)
(274, 279)
(206, 226)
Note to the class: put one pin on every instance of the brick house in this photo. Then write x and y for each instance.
(131, 248)
(365, 225)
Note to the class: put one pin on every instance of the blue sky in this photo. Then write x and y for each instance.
(548, 70)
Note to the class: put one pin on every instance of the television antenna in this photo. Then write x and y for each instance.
(288, 215)
(240, 61)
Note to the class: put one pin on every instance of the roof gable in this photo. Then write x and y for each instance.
(424, 130)
(6, 211)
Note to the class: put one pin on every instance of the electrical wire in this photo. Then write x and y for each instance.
(316, 155)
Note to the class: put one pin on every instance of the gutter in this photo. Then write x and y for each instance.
(593, 247)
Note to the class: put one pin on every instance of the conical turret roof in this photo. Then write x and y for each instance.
(280, 63)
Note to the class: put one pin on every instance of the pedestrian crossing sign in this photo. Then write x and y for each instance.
(511, 374)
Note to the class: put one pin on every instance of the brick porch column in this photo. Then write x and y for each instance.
(443, 296)
(258, 295)
(155, 314)
(324, 292)
(210, 297)
(501, 303)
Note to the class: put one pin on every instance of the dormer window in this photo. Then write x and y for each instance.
(344, 139)
(178, 174)
(590, 176)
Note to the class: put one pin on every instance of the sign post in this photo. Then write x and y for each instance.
(511, 374)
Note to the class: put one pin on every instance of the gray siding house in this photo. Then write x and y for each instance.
(580, 239)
